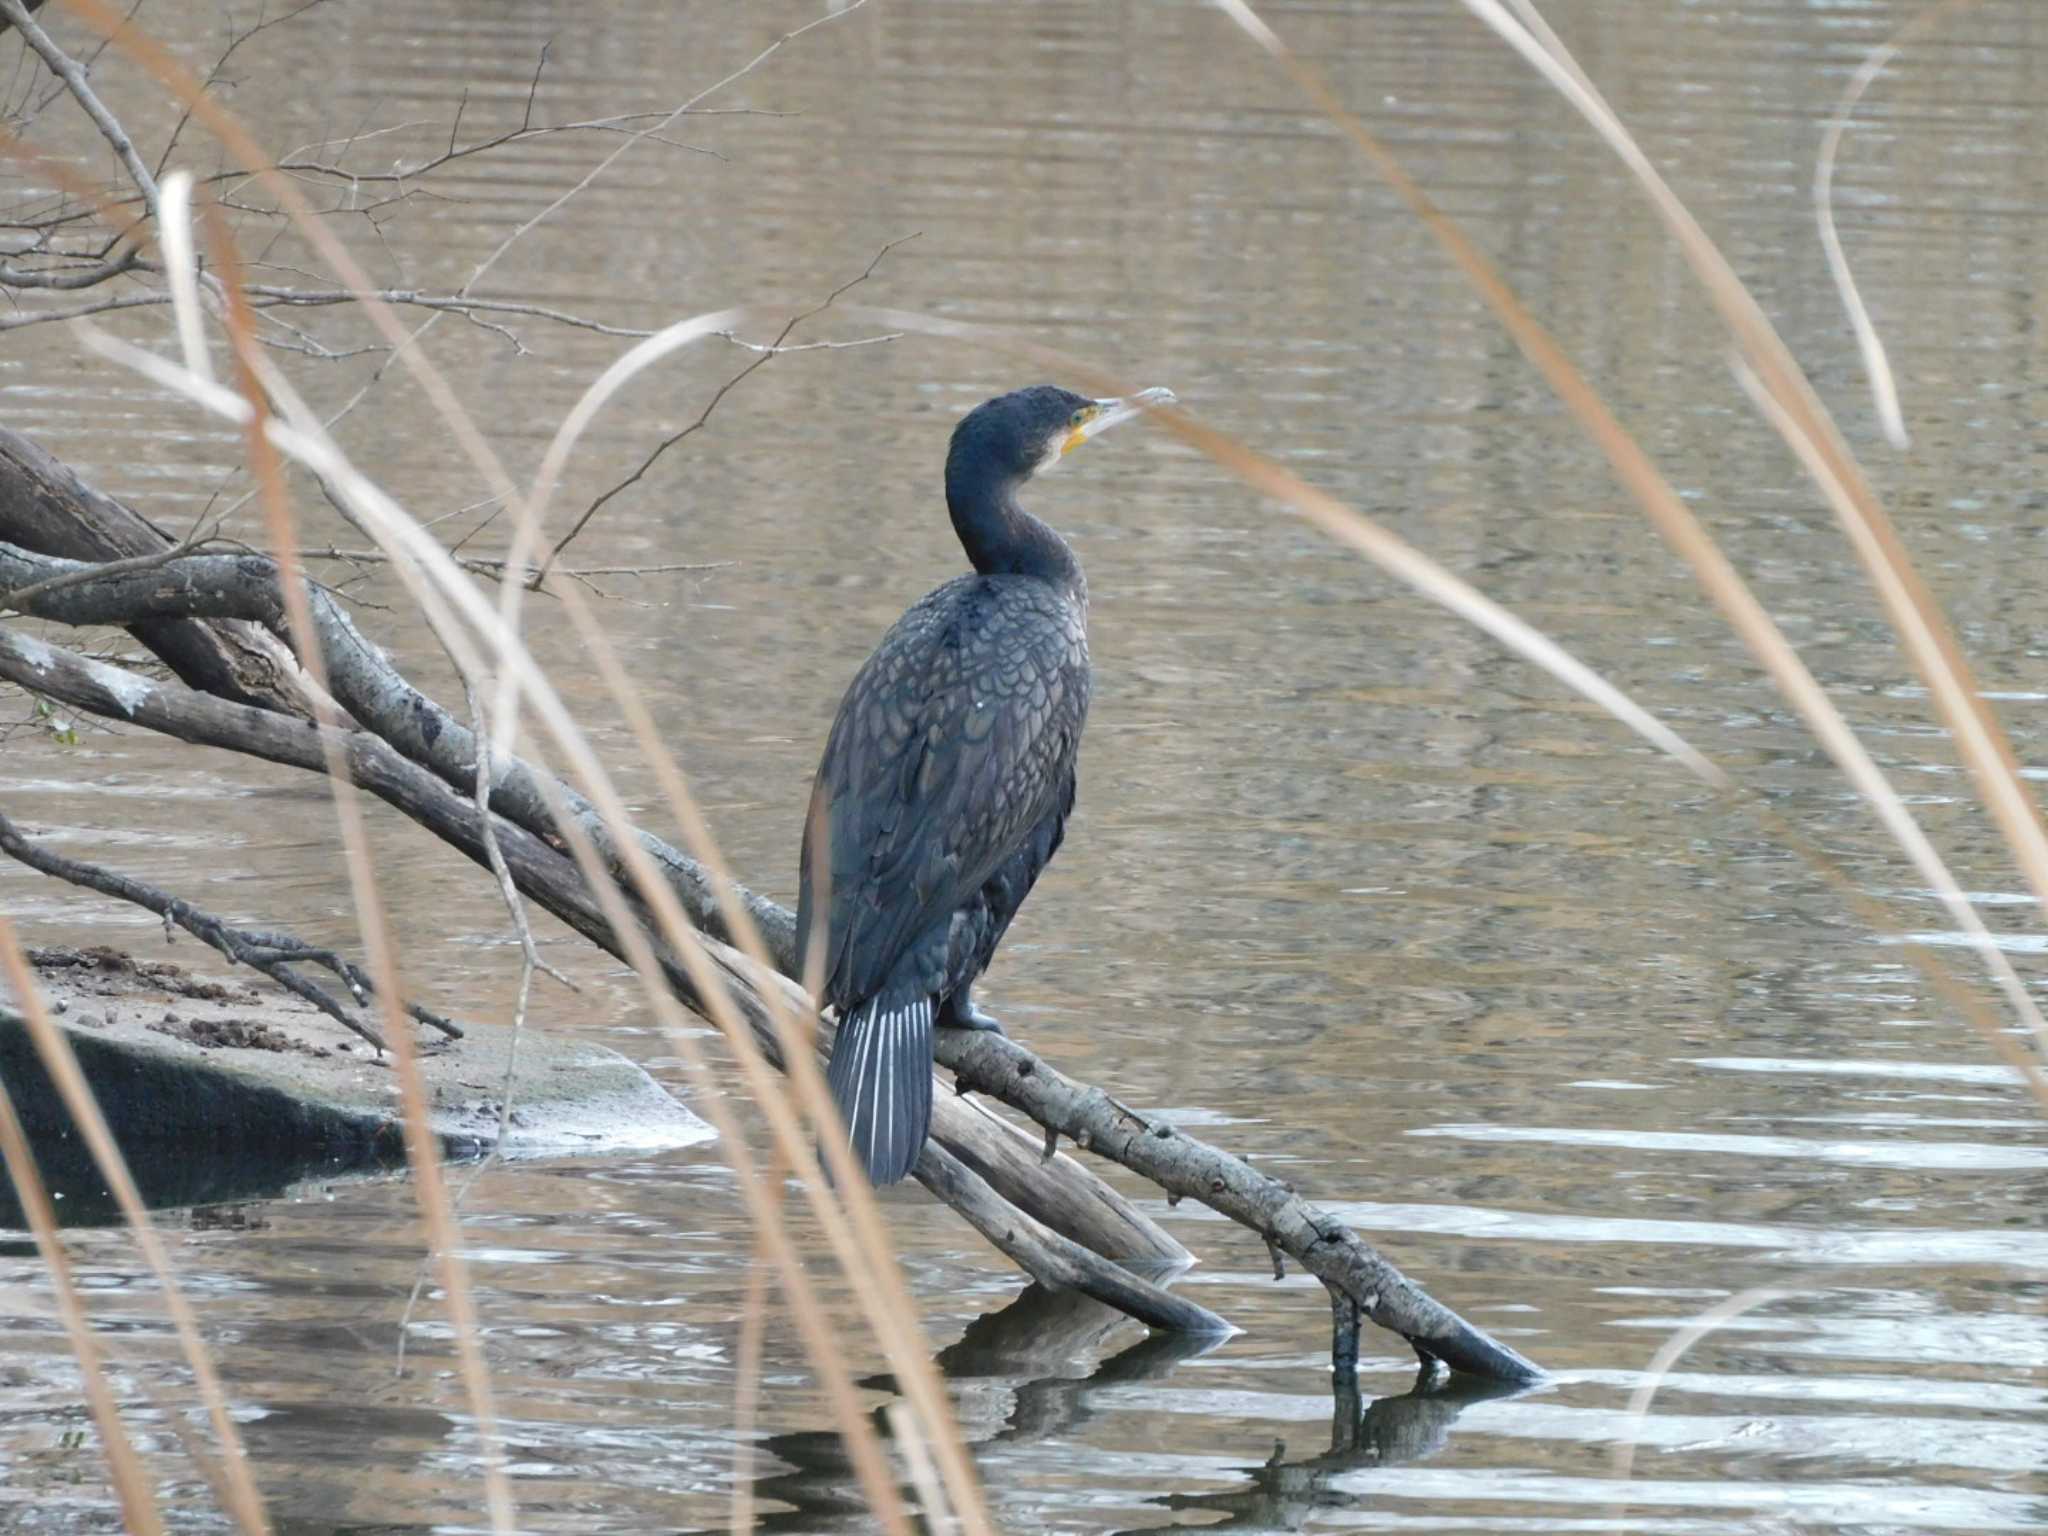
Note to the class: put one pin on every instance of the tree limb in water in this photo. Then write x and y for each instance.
(421, 759)
(1068, 1220)
(274, 954)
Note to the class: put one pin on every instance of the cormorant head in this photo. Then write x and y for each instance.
(1015, 436)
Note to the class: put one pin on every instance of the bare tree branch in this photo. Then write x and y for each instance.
(67, 279)
(78, 572)
(1092, 1119)
(46, 508)
(1188, 1168)
(213, 75)
(86, 64)
(1064, 1198)
(272, 954)
(494, 569)
(272, 296)
(483, 267)
(67, 69)
(703, 416)
(404, 176)
(421, 759)
(81, 269)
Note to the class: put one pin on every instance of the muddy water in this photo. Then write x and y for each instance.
(1589, 1053)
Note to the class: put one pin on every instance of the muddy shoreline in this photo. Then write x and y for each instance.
(220, 1089)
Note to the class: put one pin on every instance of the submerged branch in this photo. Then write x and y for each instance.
(1052, 1216)
(1183, 1166)
(1011, 1193)
(273, 954)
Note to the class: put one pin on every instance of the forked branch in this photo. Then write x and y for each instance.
(273, 954)
(1052, 1217)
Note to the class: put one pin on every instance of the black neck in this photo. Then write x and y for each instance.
(1000, 537)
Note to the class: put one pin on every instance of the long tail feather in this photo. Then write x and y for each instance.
(881, 1079)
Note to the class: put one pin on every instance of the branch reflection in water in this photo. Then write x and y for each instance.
(1364, 1436)
(1033, 1350)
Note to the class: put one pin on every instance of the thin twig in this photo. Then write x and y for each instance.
(1669, 1353)
(271, 954)
(746, 1395)
(405, 175)
(266, 296)
(67, 279)
(68, 69)
(494, 569)
(771, 350)
(529, 963)
(269, 297)
(213, 75)
(407, 346)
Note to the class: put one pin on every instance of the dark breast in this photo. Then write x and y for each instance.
(954, 743)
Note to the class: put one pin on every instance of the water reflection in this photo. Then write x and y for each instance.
(213, 1184)
(1030, 1347)
(1341, 872)
(1365, 1434)
(1027, 1351)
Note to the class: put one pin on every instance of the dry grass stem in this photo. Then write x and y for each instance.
(746, 1396)
(1640, 476)
(1388, 550)
(530, 963)
(867, 1257)
(181, 271)
(863, 1247)
(807, 1310)
(124, 1467)
(451, 590)
(1884, 389)
(852, 1223)
(855, 1232)
(246, 1505)
(388, 520)
(484, 637)
(153, 56)
(917, 1461)
(421, 1144)
(2006, 1044)
(529, 513)
(1928, 641)
(1669, 1353)
(906, 1347)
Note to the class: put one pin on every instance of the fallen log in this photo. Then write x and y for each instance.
(1050, 1215)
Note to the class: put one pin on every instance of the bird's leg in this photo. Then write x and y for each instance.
(960, 1012)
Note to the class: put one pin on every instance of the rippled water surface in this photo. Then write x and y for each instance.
(1590, 1053)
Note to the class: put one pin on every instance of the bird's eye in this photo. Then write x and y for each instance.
(1076, 431)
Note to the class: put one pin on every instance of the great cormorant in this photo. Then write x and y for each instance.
(949, 774)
